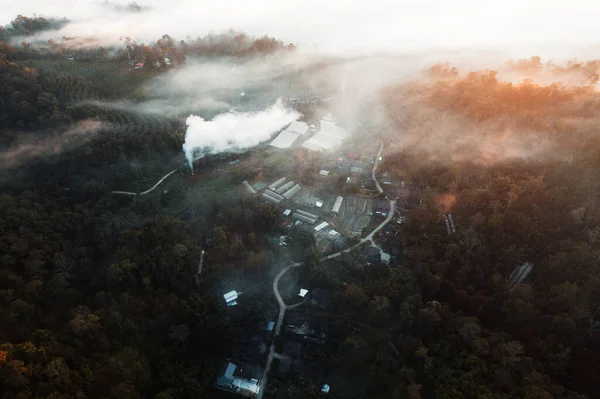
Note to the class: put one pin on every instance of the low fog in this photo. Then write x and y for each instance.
(338, 26)
(51, 144)
(347, 54)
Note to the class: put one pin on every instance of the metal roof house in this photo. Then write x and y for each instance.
(231, 298)
(285, 187)
(292, 191)
(240, 378)
(330, 135)
(287, 137)
(248, 187)
(321, 226)
(337, 204)
(519, 274)
(276, 183)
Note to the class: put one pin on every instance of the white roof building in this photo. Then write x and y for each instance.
(302, 292)
(324, 172)
(321, 226)
(276, 183)
(286, 138)
(298, 127)
(231, 298)
(337, 204)
(292, 191)
(328, 137)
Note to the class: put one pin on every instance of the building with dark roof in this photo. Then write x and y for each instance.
(306, 329)
(382, 207)
(321, 298)
(292, 349)
(372, 255)
(285, 364)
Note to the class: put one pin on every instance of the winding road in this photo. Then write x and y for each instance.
(150, 189)
(283, 306)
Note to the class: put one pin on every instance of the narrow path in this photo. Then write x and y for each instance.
(150, 189)
(375, 165)
(272, 353)
(283, 306)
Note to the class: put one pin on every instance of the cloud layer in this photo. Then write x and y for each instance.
(338, 25)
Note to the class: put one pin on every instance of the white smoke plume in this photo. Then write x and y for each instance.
(233, 131)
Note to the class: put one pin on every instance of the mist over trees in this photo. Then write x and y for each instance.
(100, 296)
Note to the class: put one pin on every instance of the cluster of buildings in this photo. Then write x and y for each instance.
(303, 337)
(303, 341)
(519, 274)
(450, 226)
(281, 190)
(244, 374)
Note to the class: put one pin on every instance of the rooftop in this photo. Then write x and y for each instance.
(239, 377)
(285, 139)
(231, 298)
(328, 137)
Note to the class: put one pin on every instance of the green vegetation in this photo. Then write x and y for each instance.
(99, 294)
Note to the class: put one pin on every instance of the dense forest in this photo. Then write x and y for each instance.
(464, 331)
(100, 296)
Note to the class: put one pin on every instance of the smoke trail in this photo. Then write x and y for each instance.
(233, 131)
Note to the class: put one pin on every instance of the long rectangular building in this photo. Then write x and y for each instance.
(276, 183)
(337, 204)
(285, 187)
(248, 187)
(304, 218)
(274, 195)
(292, 191)
(321, 226)
(310, 215)
(270, 199)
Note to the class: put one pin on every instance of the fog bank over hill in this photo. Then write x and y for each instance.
(340, 26)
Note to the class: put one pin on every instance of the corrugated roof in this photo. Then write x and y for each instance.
(298, 127)
(337, 204)
(285, 139)
(328, 137)
(321, 226)
(276, 183)
(292, 191)
(229, 370)
(230, 296)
